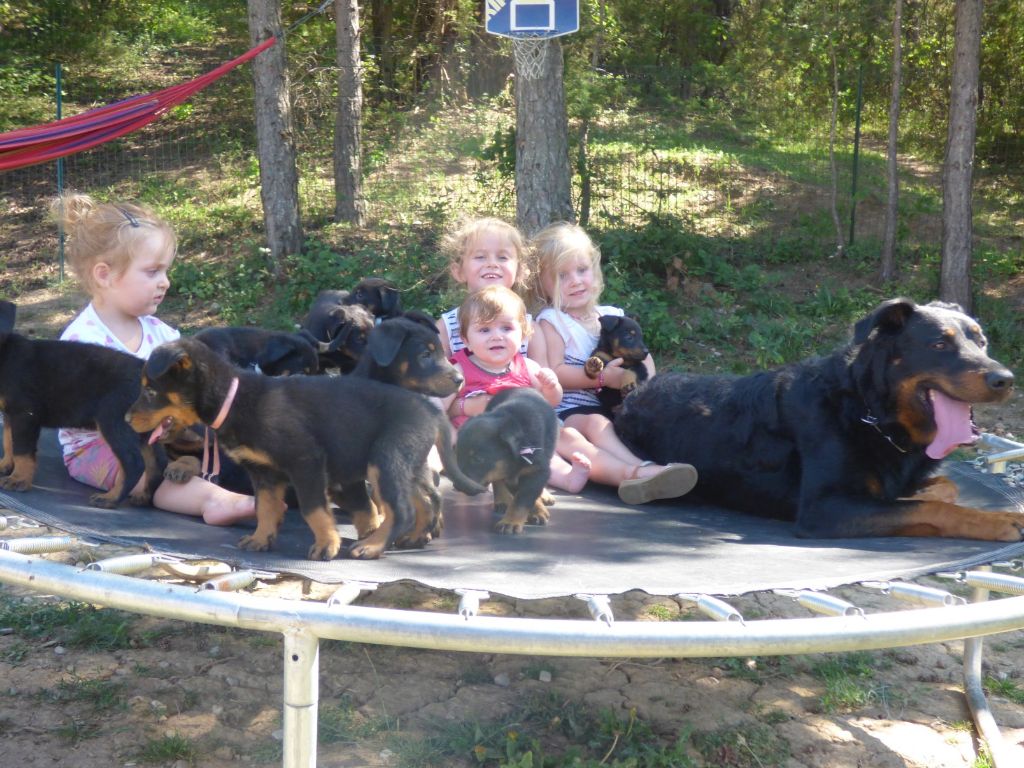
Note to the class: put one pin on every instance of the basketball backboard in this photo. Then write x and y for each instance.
(532, 18)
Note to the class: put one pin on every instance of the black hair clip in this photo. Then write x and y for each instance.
(131, 219)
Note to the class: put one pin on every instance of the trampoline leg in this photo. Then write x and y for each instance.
(301, 698)
(974, 689)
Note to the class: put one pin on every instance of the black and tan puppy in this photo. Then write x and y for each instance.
(510, 446)
(406, 351)
(342, 318)
(54, 384)
(339, 331)
(275, 353)
(324, 435)
(843, 444)
(619, 337)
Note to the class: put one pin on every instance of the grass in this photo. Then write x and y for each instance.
(74, 625)
(168, 749)
(1007, 689)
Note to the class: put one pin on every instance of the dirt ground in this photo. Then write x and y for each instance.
(219, 692)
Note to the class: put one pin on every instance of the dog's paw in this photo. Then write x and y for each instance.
(325, 550)
(142, 499)
(507, 526)
(539, 516)
(103, 501)
(547, 498)
(1006, 526)
(629, 382)
(182, 469)
(11, 483)
(413, 542)
(256, 543)
(365, 551)
(593, 366)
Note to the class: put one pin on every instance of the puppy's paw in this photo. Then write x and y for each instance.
(326, 549)
(256, 543)
(629, 382)
(593, 366)
(539, 515)
(508, 525)
(103, 501)
(547, 498)
(182, 469)
(365, 551)
(12, 483)
(141, 499)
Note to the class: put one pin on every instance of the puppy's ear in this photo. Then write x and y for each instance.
(277, 349)
(167, 357)
(8, 312)
(384, 342)
(609, 322)
(888, 317)
(390, 301)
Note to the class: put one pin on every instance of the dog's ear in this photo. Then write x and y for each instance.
(384, 342)
(278, 348)
(8, 313)
(165, 357)
(609, 322)
(888, 317)
(421, 318)
(390, 300)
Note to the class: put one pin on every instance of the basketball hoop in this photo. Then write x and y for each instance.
(530, 52)
(530, 24)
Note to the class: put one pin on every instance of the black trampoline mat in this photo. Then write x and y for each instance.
(593, 545)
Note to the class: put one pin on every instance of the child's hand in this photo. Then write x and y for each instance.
(615, 376)
(547, 379)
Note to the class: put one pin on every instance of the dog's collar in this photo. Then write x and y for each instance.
(226, 407)
(872, 421)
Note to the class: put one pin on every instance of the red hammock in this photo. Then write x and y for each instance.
(28, 146)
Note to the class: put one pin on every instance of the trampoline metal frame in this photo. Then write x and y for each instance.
(303, 624)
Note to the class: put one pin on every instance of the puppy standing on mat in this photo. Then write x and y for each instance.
(324, 435)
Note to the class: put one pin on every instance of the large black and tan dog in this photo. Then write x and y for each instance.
(840, 444)
(510, 446)
(324, 435)
(46, 383)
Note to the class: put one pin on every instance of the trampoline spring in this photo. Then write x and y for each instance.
(827, 605)
(719, 610)
(127, 564)
(599, 606)
(3, 523)
(997, 582)
(921, 595)
(469, 601)
(38, 545)
(348, 592)
(230, 582)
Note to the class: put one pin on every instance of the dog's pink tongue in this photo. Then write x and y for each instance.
(953, 425)
(157, 431)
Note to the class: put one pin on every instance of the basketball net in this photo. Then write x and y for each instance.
(530, 53)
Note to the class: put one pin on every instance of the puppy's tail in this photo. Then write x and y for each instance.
(450, 464)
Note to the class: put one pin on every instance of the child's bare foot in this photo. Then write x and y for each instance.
(569, 477)
(577, 476)
(228, 511)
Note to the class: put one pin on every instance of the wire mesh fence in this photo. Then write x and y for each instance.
(454, 159)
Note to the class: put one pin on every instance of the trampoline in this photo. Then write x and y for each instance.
(594, 548)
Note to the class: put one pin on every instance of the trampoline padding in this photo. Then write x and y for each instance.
(593, 545)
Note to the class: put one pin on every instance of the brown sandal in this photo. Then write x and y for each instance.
(672, 482)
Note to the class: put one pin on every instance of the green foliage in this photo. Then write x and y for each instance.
(754, 746)
(100, 695)
(75, 625)
(167, 749)
(1007, 689)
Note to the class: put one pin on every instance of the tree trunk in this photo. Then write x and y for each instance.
(888, 267)
(543, 193)
(958, 169)
(275, 136)
(833, 119)
(381, 21)
(349, 205)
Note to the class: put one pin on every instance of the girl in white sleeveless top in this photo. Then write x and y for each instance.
(569, 284)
